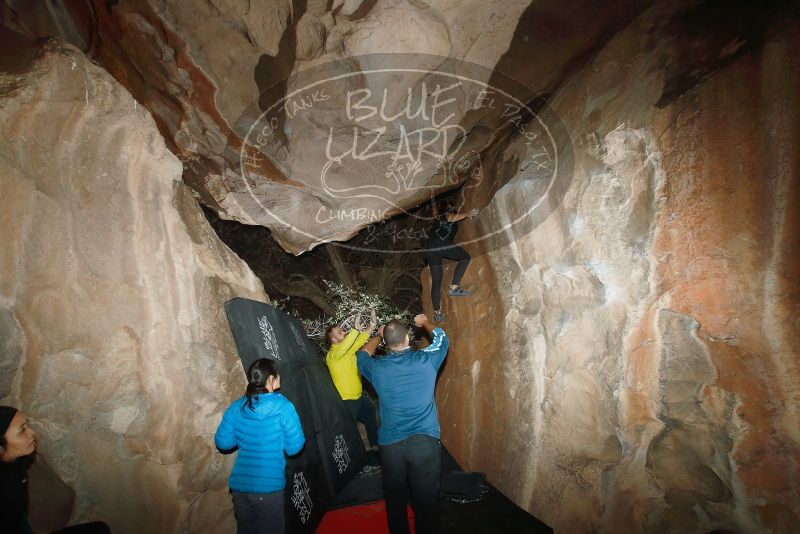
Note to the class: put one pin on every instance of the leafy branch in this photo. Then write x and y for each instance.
(346, 304)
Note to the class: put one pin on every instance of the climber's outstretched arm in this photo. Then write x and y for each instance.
(437, 350)
(364, 358)
(421, 321)
(372, 345)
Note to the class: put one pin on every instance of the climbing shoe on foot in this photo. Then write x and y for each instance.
(457, 292)
(438, 317)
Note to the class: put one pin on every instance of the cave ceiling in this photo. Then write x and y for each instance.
(316, 119)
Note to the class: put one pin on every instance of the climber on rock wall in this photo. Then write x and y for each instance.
(17, 450)
(438, 246)
(341, 362)
(410, 450)
(262, 425)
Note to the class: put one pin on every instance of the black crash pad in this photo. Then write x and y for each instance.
(334, 452)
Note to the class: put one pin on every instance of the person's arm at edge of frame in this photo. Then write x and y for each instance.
(364, 356)
(363, 335)
(455, 217)
(440, 343)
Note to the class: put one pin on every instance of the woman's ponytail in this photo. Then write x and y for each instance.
(257, 376)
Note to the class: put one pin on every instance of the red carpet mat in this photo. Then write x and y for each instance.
(360, 509)
(362, 519)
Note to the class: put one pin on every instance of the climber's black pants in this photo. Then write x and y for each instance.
(435, 257)
(412, 469)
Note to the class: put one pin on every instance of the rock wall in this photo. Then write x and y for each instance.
(207, 70)
(631, 364)
(111, 291)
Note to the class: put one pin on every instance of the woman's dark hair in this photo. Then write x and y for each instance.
(257, 376)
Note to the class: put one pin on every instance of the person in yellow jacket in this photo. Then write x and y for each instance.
(341, 362)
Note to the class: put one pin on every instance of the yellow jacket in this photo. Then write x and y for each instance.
(341, 362)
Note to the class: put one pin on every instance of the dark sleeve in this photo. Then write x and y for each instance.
(14, 496)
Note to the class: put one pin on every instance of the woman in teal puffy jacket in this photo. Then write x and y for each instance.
(262, 425)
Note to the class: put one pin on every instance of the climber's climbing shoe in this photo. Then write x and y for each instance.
(458, 292)
(438, 317)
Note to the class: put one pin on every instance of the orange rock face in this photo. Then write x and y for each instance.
(737, 273)
(631, 364)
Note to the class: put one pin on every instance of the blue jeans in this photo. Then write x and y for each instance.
(363, 410)
(258, 513)
(412, 468)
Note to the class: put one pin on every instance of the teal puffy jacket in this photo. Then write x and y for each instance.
(263, 434)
